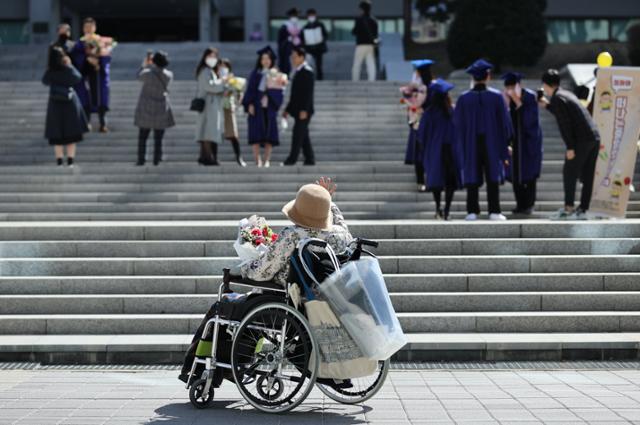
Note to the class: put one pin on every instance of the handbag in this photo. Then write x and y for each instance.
(197, 104)
(61, 94)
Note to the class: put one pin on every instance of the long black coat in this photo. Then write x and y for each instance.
(66, 121)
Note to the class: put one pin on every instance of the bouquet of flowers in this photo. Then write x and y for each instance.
(413, 96)
(236, 83)
(276, 79)
(98, 45)
(254, 238)
(233, 93)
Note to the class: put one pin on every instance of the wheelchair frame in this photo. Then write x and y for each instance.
(211, 363)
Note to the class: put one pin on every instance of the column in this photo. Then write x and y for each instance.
(204, 20)
(256, 16)
(44, 16)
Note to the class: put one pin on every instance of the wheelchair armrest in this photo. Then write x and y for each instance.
(228, 279)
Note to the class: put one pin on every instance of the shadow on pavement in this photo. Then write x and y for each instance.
(220, 412)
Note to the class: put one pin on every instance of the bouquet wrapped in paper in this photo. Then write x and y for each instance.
(254, 238)
(413, 96)
(236, 84)
(276, 79)
(98, 45)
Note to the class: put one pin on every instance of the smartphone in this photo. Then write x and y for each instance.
(540, 93)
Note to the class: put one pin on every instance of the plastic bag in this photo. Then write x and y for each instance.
(358, 296)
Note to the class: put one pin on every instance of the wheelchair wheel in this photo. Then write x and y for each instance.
(274, 359)
(363, 388)
(198, 399)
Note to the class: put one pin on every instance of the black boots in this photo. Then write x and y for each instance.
(208, 153)
(236, 150)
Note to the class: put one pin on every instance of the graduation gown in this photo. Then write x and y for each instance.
(438, 135)
(482, 112)
(285, 47)
(526, 161)
(94, 98)
(263, 126)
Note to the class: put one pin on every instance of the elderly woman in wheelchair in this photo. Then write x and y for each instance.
(265, 340)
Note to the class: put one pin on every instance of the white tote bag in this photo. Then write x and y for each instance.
(340, 357)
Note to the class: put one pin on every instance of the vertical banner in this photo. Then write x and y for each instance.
(616, 111)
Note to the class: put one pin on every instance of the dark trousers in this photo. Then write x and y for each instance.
(143, 135)
(525, 194)
(317, 58)
(581, 167)
(300, 140)
(493, 188)
(419, 168)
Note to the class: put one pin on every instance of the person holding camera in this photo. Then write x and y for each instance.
(66, 121)
(525, 163)
(582, 139)
(365, 30)
(153, 111)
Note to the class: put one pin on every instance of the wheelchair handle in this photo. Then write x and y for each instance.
(367, 242)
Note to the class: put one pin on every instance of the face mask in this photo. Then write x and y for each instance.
(293, 20)
(223, 72)
(311, 19)
(211, 62)
(63, 37)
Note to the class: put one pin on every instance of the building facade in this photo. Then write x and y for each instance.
(35, 21)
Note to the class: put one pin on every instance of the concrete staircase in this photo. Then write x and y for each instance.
(108, 262)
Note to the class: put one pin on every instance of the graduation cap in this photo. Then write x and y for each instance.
(511, 78)
(479, 69)
(421, 63)
(441, 86)
(268, 50)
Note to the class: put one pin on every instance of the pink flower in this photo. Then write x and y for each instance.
(256, 232)
(259, 241)
(274, 237)
(265, 231)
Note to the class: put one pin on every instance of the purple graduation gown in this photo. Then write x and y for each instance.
(439, 133)
(263, 126)
(482, 112)
(101, 99)
(526, 162)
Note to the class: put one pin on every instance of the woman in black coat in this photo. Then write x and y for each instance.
(66, 121)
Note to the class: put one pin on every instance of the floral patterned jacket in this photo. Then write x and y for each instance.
(274, 264)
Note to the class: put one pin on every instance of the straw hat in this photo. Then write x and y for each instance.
(311, 208)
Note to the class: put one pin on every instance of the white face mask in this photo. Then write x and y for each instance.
(293, 20)
(211, 62)
(311, 19)
(223, 72)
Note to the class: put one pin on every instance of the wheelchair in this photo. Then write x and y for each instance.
(264, 343)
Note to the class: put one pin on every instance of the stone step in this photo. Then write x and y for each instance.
(457, 215)
(373, 229)
(389, 264)
(483, 322)
(170, 348)
(403, 302)
(208, 284)
(224, 248)
(238, 209)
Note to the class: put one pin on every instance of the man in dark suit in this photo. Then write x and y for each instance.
(300, 107)
(582, 139)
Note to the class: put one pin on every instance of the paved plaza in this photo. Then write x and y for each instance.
(476, 397)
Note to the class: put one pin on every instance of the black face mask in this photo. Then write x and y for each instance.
(63, 38)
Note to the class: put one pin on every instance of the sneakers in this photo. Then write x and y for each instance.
(581, 214)
(471, 217)
(497, 217)
(563, 214)
(266, 164)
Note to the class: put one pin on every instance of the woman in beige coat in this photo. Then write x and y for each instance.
(210, 122)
